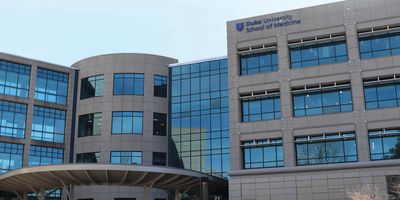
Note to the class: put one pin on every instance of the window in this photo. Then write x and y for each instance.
(14, 79)
(92, 157)
(160, 86)
(10, 156)
(124, 198)
(200, 118)
(13, 119)
(39, 155)
(259, 62)
(325, 149)
(324, 101)
(92, 87)
(127, 123)
(159, 124)
(54, 194)
(321, 53)
(51, 86)
(384, 144)
(262, 108)
(90, 124)
(381, 95)
(128, 84)
(262, 154)
(379, 44)
(126, 157)
(159, 158)
(48, 124)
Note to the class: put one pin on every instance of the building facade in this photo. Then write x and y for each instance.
(304, 106)
(37, 113)
(313, 101)
(122, 109)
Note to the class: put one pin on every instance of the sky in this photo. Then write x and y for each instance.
(66, 31)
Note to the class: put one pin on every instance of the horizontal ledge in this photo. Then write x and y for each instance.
(315, 168)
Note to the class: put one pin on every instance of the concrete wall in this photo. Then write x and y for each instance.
(343, 17)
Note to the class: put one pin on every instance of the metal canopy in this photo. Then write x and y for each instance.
(40, 178)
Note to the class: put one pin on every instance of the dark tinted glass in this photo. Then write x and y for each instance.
(92, 87)
(159, 158)
(90, 124)
(159, 124)
(160, 86)
(93, 157)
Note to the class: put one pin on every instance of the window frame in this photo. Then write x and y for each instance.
(315, 47)
(164, 83)
(97, 78)
(134, 78)
(122, 124)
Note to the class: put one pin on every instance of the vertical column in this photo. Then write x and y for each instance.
(286, 99)
(177, 195)
(145, 193)
(29, 116)
(357, 88)
(41, 195)
(234, 103)
(204, 189)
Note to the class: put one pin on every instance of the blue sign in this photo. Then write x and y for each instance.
(240, 26)
(267, 23)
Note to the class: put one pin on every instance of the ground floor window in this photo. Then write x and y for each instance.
(326, 149)
(262, 153)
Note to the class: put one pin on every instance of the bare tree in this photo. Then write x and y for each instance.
(367, 192)
(394, 192)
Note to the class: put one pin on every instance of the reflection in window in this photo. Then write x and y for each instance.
(259, 62)
(159, 158)
(51, 86)
(127, 123)
(90, 124)
(159, 124)
(39, 155)
(92, 157)
(10, 156)
(262, 154)
(263, 108)
(321, 53)
(381, 95)
(48, 124)
(160, 86)
(384, 144)
(325, 101)
(92, 86)
(13, 119)
(14, 79)
(200, 118)
(54, 194)
(128, 84)
(126, 157)
(325, 149)
(380, 44)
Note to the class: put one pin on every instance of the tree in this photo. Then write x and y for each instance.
(367, 192)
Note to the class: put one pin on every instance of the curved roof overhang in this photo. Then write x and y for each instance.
(35, 179)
